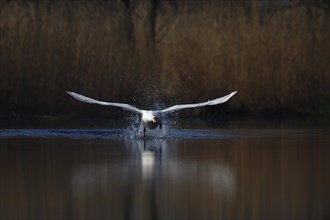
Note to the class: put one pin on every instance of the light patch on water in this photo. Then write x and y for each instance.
(129, 133)
(133, 131)
(67, 133)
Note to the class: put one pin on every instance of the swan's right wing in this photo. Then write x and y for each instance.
(211, 102)
(93, 101)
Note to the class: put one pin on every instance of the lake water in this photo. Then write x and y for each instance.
(242, 170)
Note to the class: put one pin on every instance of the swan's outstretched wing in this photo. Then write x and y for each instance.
(93, 101)
(211, 102)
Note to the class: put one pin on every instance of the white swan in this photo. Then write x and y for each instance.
(151, 118)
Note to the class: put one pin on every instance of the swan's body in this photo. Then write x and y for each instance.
(151, 119)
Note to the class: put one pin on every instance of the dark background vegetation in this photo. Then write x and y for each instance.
(276, 54)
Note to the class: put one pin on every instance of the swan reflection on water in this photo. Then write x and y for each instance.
(148, 159)
(154, 176)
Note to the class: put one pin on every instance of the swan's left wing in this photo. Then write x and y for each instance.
(93, 101)
(211, 102)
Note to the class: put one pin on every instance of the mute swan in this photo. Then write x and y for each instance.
(151, 118)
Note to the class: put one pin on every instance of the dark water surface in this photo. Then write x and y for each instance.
(233, 173)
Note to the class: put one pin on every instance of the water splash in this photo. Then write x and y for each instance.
(150, 96)
(135, 129)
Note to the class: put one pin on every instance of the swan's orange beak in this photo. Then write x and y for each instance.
(154, 120)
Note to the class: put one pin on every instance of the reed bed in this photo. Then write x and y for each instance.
(276, 58)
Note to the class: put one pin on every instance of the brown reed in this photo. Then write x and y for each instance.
(277, 60)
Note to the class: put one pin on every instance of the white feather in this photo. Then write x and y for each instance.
(210, 102)
(148, 117)
(94, 101)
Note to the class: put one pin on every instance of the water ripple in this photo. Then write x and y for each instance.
(110, 134)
